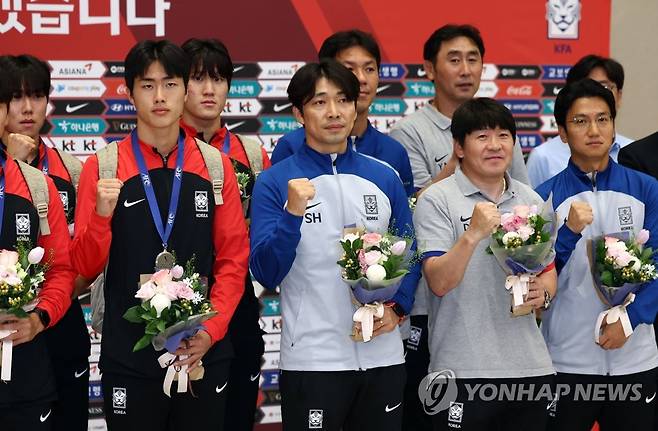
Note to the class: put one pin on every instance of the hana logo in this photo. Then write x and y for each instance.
(563, 17)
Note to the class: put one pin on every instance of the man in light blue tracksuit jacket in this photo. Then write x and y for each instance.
(612, 382)
(299, 210)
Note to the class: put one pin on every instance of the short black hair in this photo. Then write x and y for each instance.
(347, 39)
(6, 89)
(449, 32)
(209, 56)
(577, 90)
(140, 57)
(478, 114)
(302, 85)
(581, 70)
(27, 75)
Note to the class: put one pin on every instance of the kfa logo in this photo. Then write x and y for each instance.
(312, 217)
(625, 216)
(119, 399)
(562, 17)
(22, 224)
(64, 196)
(201, 203)
(315, 419)
(456, 412)
(414, 336)
(370, 203)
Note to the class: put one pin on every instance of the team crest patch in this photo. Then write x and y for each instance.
(315, 419)
(22, 224)
(201, 201)
(64, 196)
(563, 17)
(370, 202)
(625, 216)
(414, 337)
(119, 398)
(456, 412)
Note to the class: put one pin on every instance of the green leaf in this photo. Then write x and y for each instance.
(142, 342)
(161, 326)
(607, 278)
(134, 314)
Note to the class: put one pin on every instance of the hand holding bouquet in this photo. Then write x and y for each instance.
(620, 266)
(373, 265)
(21, 274)
(523, 245)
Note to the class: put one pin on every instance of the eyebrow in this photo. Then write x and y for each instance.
(456, 51)
(356, 62)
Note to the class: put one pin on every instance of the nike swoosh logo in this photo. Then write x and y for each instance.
(279, 108)
(237, 68)
(43, 418)
(556, 90)
(78, 375)
(218, 389)
(127, 204)
(71, 109)
(438, 159)
(390, 409)
(382, 88)
(313, 206)
(648, 400)
(421, 72)
(253, 378)
(464, 219)
(234, 125)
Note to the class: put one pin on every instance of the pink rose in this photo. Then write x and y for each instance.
(522, 211)
(642, 237)
(183, 291)
(8, 258)
(146, 291)
(177, 271)
(511, 222)
(362, 260)
(371, 239)
(161, 277)
(398, 248)
(372, 257)
(623, 259)
(525, 232)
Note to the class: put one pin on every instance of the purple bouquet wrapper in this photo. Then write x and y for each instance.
(368, 292)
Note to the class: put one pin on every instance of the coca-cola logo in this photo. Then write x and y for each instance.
(520, 90)
(122, 90)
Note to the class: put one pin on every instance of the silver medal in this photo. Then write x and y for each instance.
(164, 260)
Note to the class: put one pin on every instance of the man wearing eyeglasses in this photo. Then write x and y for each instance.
(612, 379)
(552, 156)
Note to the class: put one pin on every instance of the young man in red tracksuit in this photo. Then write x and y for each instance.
(26, 401)
(68, 341)
(210, 80)
(122, 225)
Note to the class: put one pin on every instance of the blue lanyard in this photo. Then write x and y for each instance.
(227, 142)
(2, 192)
(44, 164)
(164, 233)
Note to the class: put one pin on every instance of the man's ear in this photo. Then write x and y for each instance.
(563, 134)
(299, 116)
(429, 69)
(457, 149)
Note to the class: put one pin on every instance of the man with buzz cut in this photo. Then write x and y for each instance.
(595, 196)
(359, 52)
(161, 198)
(301, 208)
(475, 340)
(68, 341)
(210, 80)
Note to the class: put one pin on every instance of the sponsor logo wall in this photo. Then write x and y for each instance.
(84, 43)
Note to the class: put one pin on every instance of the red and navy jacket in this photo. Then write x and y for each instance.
(32, 378)
(68, 341)
(216, 236)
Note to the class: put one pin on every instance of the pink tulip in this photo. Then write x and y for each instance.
(642, 237)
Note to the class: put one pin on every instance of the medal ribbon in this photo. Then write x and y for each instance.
(164, 232)
(227, 143)
(2, 191)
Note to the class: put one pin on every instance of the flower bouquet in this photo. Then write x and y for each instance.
(373, 265)
(523, 245)
(174, 305)
(21, 274)
(620, 264)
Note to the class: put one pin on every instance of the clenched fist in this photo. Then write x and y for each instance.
(580, 216)
(484, 221)
(300, 191)
(107, 195)
(21, 147)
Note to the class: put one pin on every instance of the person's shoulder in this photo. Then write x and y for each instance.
(389, 144)
(410, 122)
(550, 145)
(525, 191)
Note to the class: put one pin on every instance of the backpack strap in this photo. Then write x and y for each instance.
(36, 183)
(72, 165)
(254, 153)
(108, 159)
(213, 160)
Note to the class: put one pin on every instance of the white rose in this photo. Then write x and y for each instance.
(160, 302)
(509, 236)
(376, 273)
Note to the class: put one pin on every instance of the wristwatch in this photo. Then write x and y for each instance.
(43, 316)
(547, 299)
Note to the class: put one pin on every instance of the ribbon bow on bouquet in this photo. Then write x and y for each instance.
(612, 315)
(365, 315)
(175, 372)
(6, 353)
